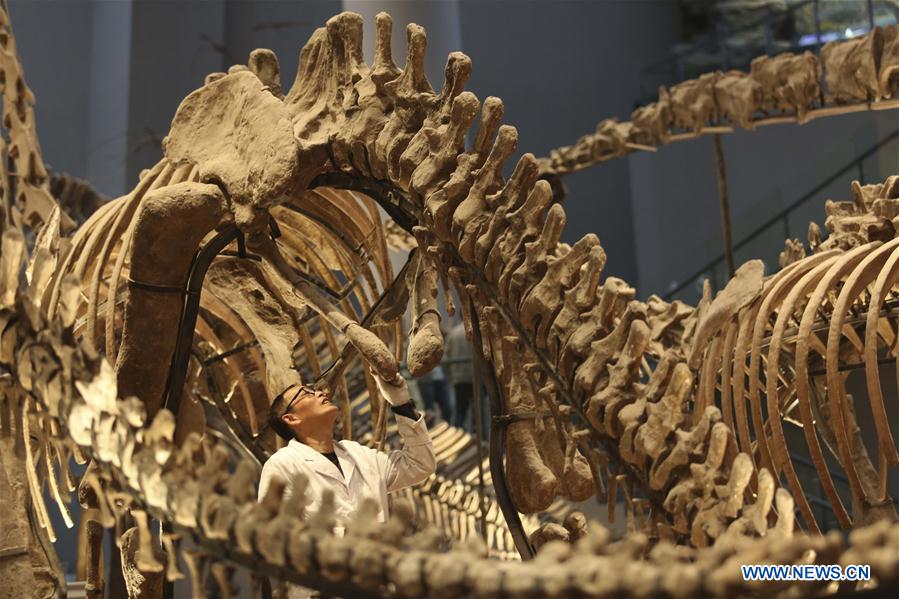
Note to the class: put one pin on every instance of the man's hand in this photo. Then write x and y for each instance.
(396, 394)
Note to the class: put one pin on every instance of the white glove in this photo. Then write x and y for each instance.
(396, 394)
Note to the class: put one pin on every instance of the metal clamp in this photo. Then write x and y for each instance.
(154, 287)
(507, 419)
(13, 552)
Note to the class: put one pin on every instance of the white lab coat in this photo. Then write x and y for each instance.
(367, 472)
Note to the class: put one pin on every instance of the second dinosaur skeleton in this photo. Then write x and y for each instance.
(858, 73)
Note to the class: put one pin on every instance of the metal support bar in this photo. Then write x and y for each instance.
(174, 386)
(230, 352)
(12, 552)
(721, 171)
(479, 430)
(394, 203)
(505, 420)
(132, 284)
(200, 264)
(241, 244)
(238, 255)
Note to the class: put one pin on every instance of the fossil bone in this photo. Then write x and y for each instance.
(593, 383)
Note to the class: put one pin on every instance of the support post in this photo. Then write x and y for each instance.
(479, 430)
(725, 206)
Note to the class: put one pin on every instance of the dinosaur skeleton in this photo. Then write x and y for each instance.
(858, 74)
(263, 198)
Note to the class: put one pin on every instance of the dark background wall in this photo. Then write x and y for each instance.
(560, 67)
(54, 43)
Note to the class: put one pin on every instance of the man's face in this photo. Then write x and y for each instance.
(309, 408)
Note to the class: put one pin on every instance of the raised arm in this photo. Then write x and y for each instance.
(415, 460)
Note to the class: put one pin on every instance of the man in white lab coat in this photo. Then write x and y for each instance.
(305, 418)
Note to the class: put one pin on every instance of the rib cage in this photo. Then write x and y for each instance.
(353, 245)
(618, 376)
(821, 312)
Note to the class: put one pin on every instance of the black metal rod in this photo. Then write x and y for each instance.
(395, 204)
(479, 430)
(174, 387)
(228, 353)
(837, 174)
(721, 171)
(189, 312)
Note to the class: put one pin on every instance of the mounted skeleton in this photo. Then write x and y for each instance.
(597, 390)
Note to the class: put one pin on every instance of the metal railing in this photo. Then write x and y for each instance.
(781, 217)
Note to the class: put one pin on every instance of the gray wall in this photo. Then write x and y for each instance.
(172, 50)
(110, 66)
(560, 67)
(109, 75)
(674, 191)
(54, 43)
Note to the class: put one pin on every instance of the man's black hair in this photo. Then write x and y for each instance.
(276, 411)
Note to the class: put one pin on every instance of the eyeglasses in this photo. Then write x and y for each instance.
(302, 388)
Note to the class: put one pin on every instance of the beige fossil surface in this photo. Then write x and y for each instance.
(255, 254)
